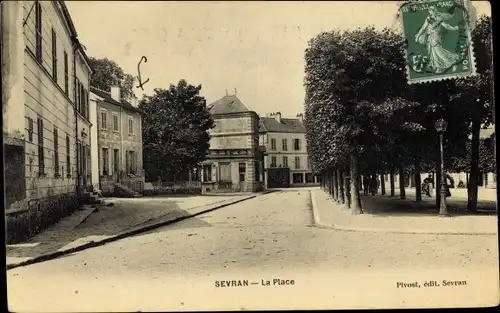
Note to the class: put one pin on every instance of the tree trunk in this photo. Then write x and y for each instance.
(346, 188)
(437, 180)
(382, 184)
(391, 180)
(373, 184)
(336, 184)
(334, 179)
(330, 183)
(402, 192)
(355, 201)
(341, 186)
(418, 182)
(474, 169)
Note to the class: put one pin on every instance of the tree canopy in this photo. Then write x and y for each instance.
(358, 103)
(175, 129)
(106, 73)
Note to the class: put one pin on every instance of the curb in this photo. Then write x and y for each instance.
(130, 233)
(319, 224)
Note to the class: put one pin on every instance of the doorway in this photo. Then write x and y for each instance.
(116, 163)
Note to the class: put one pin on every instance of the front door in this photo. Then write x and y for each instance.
(116, 163)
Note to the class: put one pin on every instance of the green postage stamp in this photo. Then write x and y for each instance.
(438, 40)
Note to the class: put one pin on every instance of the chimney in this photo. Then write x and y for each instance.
(227, 93)
(116, 93)
(277, 116)
(133, 102)
(300, 116)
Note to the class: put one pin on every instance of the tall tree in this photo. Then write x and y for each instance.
(476, 96)
(107, 73)
(175, 129)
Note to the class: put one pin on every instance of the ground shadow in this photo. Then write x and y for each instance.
(379, 205)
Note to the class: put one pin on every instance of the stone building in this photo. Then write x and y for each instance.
(234, 163)
(45, 82)
(118, 134)
(286, 161)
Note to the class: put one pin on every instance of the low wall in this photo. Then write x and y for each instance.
(229, 187)
(172, 188)
(27, 218)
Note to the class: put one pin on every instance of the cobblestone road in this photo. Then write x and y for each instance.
(268, 237)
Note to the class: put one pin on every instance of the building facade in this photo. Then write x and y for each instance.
(286, 161)
(45, 79)
(118, 134)
(234, 162)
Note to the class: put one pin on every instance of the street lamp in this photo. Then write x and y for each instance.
(441, 125)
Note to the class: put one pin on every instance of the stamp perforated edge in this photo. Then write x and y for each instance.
(444, 77)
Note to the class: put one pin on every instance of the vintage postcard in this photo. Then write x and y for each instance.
(248, 155)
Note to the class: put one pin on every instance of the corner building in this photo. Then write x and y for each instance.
(45, 83)
(234, 162)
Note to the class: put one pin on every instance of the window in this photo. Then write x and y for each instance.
(54, 55)
(296, 144)
(30, 129)
(242, 171)
(56, 153)
(41, 156)
(116, 161)
(309, 178)
(225, 172)
(273, 161)
(130, 126)
(115, 123)
(284, 144)
(298, 178)
(38, 31)
(104, 120)
(273, 144)
(77, 95)
(87, 106)
(285, 161)
(68, 159)
(131, 160)
(207, 173)
(105, 161)
(66, 76)
(297, 162)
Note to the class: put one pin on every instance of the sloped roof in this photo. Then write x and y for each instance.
(107, 97)
(287, 125)
(228, 104)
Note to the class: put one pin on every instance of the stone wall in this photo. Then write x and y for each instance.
(27, 218)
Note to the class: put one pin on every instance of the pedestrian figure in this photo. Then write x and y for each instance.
(365, 185)
(450, 185)
(427, 186)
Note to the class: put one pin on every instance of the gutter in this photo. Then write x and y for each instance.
(75, 45)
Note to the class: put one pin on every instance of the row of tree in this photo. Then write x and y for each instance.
(175, 122)
(363, 118)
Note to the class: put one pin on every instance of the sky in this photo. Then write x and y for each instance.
(252, 49)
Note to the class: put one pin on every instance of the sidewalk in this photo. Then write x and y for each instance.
(119, 217)
(392, 215)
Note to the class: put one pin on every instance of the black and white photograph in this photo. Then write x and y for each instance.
(248, 155)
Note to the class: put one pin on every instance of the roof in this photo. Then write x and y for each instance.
(74, 33)
(287, 125)
(107, 97)
(228, 104)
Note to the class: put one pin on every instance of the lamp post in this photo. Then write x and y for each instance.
(441, 125)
